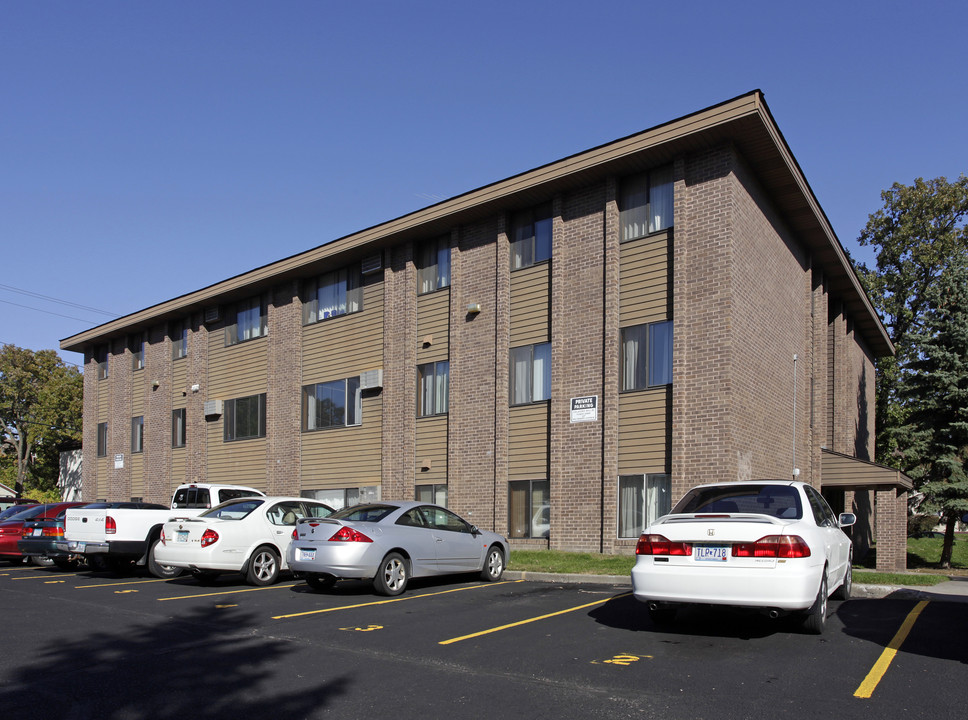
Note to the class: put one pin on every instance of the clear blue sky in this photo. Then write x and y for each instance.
(148, 149)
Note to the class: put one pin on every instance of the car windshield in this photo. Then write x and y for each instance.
(233, 510)
(364, 513)
(14, 510)
(782, 501)
(30, 512)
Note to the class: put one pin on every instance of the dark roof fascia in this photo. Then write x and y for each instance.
(744, 120)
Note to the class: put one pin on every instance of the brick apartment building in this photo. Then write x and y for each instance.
(557, 356)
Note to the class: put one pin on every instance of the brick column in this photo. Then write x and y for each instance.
(283, 401)
(890, 512)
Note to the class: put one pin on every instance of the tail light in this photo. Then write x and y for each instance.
(773, 546)
(347, 534)
(209, 537)
(659, 545)
(162, 536)
(55, 532)
(295, 535)
(110, 527)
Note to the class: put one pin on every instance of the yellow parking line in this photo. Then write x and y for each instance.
(127, 582)
(877, 672)
(530, 620)
(392, 600)
(48, 576)
(227, 592)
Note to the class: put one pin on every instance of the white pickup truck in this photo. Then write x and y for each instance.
(112, 538)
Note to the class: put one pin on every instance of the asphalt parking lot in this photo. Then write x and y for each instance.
(85, 645)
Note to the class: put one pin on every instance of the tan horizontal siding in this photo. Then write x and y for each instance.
(178, 459)
(137, 474)
(528, 442)
(103, 399)
(236, 371)
(347, 345)
(101, 491)
(345, 457)
(644, 280)
(433, 322)
(242, 462)
(138, 393)
(179, 379)
(644, 432)
(431, 445)
(530, 305)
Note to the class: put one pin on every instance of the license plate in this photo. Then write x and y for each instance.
(305, 555)
(181, 536)
(710, 553)
(37, 531)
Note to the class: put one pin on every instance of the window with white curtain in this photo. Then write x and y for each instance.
(436, 494)
(647, 203)
(335, 293)
(136, 343)
(531, 237)
(244, 418)
(530, 374)
(179, 341)
(178, 428)
(102, 439)
(433, 265)
(641, 500)
(646, 356)
(433, 388)
(249, 321)
(138, 434)
(338, 403)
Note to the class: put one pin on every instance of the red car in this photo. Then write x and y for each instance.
(12, 528)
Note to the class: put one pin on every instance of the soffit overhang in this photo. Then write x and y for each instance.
(744, 122)
(849, 473)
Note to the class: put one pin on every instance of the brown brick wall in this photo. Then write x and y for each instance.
(399, 368)
(158, 404)
(283, 402)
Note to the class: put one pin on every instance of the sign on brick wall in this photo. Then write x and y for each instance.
(584, 409)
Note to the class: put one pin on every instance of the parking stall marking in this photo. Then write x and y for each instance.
(227, 592)
(530, 620)
(623, 660)
(866, 689)
(115, 584)
(391, 600)
(368, 628)
(43, 577)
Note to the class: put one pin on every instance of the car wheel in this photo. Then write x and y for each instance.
(165, 572)
(662, 614)
(263, 567)
(391, 578)
(493, 565)
(320, 582)
(40, 560)
(62, 564)
(843, 592)
(816, 616)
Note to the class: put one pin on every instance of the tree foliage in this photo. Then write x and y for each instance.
(935, 398)
(920, 231)
(41, 402)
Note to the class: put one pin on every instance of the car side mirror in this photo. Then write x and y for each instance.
(475, 531)
(847, 519)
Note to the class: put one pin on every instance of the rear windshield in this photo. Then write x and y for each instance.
(364, 513)
(235, 510)
(782, 501)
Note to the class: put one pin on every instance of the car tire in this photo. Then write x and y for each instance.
(816, 616)
(493, 564)
(843, 592)
(320, 582)
(165, 572)
(263, 567)
(391, 577)
(662, 615)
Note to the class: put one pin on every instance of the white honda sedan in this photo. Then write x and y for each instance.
(772, 545)
(249, 535)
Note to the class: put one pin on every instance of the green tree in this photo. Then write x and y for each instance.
(935, 394)
(41, 402)
(919, 232)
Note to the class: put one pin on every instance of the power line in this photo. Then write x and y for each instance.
(28, 307)
(56, 300)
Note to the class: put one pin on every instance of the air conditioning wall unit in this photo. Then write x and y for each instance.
(372, 264)
(212, 314)
(213, 407)
(371, 379)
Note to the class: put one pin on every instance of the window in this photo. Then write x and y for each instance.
(642, 499)
(178, 433)
(340, 498)
(529, 509)
(646, 203)
(531, 237)
(530, 373)
(433, 265)
(333, 294)
(101, 357)
(646, 356)
(245, 418)
(436, 494)
(136, 343)
(179, 341)
(102, 439)
(251, 321)
(433, 382)
(137, 434)
(332, 404)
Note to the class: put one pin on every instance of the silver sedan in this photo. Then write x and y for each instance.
(391, 542)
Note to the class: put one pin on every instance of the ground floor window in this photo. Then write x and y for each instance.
(339, 498)
(529, 509)
(436, 494)
(642, 499)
